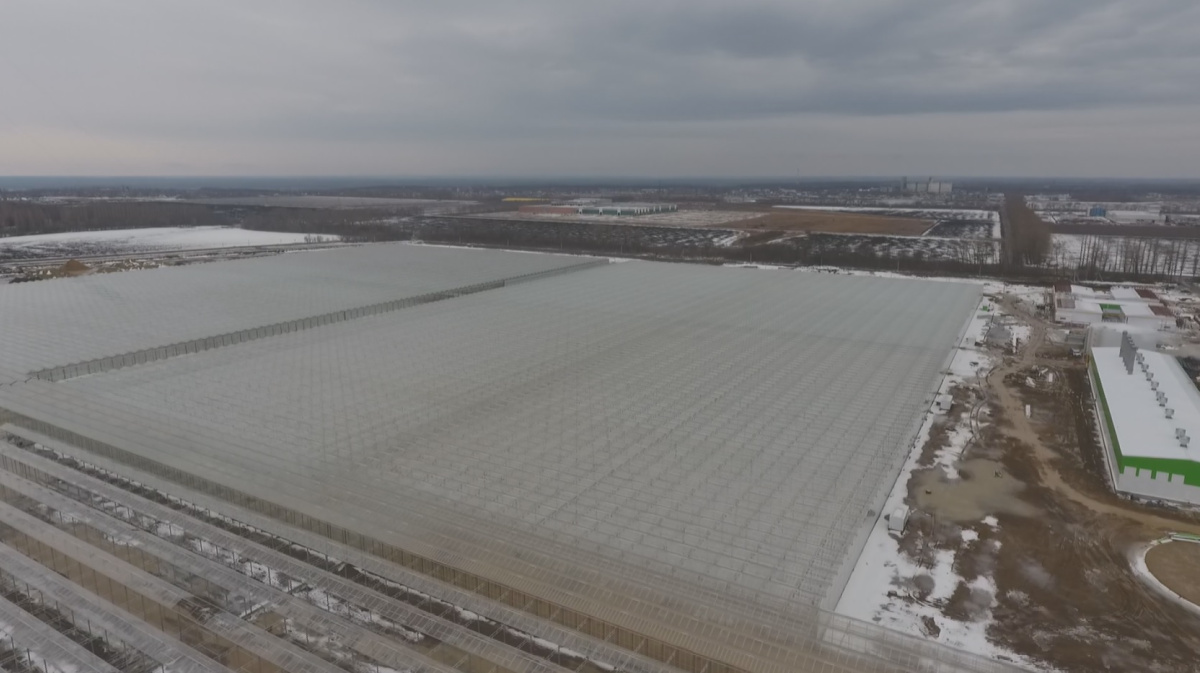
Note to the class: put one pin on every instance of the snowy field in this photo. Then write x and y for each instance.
(1114, 253)
(117, 241)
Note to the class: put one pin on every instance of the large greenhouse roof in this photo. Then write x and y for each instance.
(522, 462)
(736, 429)
(73, 320)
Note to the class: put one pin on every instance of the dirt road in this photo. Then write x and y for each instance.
(1013, 409)
(1066, 592)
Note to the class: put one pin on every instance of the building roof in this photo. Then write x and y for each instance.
(63, 321)
(1136, 308)
(682, 418)
(1141, 425)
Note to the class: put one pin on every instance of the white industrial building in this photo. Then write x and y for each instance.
(1136, 307)
(929, 186)
(1150, 418)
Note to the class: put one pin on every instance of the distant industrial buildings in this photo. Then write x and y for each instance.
(1137, 307)
(599, 207)
(929, 186)
(1149, 412)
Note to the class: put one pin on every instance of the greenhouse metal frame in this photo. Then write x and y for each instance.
(667, 449)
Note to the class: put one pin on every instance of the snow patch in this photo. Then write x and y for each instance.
(155, 238)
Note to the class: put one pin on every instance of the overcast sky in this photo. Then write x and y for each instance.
(652, 88)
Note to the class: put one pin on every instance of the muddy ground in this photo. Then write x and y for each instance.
(1058, 540)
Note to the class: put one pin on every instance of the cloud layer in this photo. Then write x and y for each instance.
(670, 87)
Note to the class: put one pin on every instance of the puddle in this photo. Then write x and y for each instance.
(984, 488)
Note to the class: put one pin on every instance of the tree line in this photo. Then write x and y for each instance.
(19, 218)
(1027, 237)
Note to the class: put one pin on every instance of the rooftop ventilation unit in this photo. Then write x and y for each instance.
(1170, 412)
(1162, 399)
(1154, 385)
(1179, 433)
(1184, 441)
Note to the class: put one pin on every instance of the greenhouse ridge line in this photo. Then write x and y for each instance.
(159, 353)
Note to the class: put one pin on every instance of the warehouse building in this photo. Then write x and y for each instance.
(929, 186)
(1150, 417)
(598, 208)
(1139, 308)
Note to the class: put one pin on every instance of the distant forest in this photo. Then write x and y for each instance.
(19, 218)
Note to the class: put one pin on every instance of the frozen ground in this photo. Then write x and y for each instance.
(116, 241)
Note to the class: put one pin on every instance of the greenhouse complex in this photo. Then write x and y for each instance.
(397, 457)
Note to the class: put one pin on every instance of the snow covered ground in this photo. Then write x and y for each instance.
(116, 241)
(1111, 252)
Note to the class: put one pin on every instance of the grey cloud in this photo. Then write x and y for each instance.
(323, 73)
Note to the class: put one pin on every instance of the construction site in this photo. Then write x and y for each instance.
(398, 457)
(1020, 539)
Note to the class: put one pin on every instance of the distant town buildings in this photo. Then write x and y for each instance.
(1137, 307)
(929, 186)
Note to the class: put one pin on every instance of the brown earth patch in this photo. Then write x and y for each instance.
(1177, 565)
(832, 222)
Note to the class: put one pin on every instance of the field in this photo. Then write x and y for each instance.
(790, 220)
(1175, 564)
(754, 219)
(680, 218)
(334, 202)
